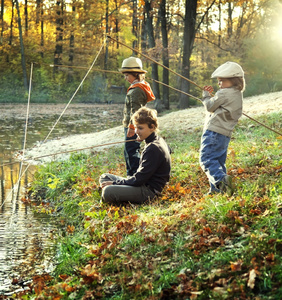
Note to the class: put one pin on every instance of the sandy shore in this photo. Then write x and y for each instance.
(187, 119)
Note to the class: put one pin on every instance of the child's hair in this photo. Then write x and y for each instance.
(238, 83)
(145, 115)
(140, 76)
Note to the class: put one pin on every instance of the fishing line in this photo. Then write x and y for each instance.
(24, 146)
(81, 149)
(151, 59)
(94, 61)
(25, 130)
(76, 91)
(181, 76)
(162, 83)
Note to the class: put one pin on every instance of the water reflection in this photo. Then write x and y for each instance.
(26, 237)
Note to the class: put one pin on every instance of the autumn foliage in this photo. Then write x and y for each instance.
(185, 245)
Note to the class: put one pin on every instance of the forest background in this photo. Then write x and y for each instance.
(60, 39)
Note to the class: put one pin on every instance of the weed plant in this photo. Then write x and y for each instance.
(184, 245)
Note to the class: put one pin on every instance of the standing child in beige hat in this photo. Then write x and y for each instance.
(138, 94)
(223, 113)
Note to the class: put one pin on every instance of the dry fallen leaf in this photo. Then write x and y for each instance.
(252, 278)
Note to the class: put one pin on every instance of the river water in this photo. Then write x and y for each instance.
(26, 236)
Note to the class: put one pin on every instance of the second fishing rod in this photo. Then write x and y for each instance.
(185, 78)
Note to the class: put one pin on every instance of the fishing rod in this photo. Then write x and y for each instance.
(154, 61)
(69, 151)
(162, 83)
(25, 131)
(181, 76)
(76, 91)
(76, 67)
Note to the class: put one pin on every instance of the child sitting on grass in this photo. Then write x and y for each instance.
(154, 168)
(224, 111)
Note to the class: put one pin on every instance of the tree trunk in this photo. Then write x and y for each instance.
(165, 54)
(219, 23)
(26, 17)
(230, 20)
(22, 46)
(11, 26)
(42, 31)
(71, 44)
(39, 19)
(135, 25)
(188, 42)
(2, 21)
(107, 44)
(143, 33)
(71, 51)
(152, 44)
(117, 24)
(59, 37)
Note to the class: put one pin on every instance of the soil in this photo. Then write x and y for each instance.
(187, 119)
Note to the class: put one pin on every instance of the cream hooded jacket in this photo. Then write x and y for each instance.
(224, 110)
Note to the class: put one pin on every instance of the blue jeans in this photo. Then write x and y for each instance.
(131, 154)
(213, 155)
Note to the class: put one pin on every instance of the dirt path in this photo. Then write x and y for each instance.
(187, 119)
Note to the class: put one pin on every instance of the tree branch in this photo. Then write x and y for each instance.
(210, 42)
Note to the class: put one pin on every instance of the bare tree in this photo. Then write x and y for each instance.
(134, 24)
(2, 21)
(188, 42)
(59, 35)
(152, 44)
(26, 17)
(39, 18)
(22, 46)
(163, 17)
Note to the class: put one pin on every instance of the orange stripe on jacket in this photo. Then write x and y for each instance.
(145, 86)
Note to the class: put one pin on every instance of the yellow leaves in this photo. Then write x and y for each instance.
(175, 192)
(240, 170)
(90, 274)
(39, 282)
(70, 229)
(67, 287)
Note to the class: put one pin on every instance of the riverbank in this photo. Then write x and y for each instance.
(183, 245)
(186, 120)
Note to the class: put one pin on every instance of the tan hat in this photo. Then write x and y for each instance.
(132, 64)
(228, 70)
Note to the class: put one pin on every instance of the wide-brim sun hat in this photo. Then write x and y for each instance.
(132, 64)
(228, 70)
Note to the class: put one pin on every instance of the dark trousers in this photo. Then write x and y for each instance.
(118, 194)
(131, 154)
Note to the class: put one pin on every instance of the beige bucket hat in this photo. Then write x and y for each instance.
(228, 70)
(132, 64)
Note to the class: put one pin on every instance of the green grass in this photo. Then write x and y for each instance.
(185, 245)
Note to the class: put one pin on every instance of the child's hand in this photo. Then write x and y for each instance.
(106, 183)
(130, 132)
(208, 88)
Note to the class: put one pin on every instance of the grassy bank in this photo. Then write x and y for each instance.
(185, 245)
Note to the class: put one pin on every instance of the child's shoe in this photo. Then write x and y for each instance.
(226, 185)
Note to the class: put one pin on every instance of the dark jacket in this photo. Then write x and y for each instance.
(154, 167)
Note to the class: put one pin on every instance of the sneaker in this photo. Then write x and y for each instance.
(226, 185)
(211, 192)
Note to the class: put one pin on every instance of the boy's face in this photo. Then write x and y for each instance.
(224, 83)
(143, 130)
(129, 77)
